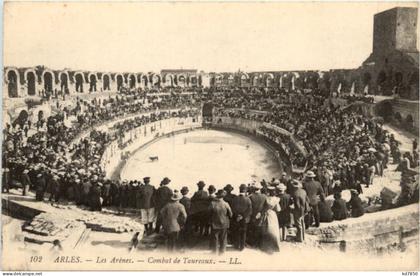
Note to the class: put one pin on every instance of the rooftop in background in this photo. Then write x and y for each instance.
(179, 71)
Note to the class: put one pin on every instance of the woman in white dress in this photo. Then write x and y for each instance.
(271, 233)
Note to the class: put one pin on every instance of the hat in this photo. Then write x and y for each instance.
(165, 181)
(220, 193)
(310, 174)
(39, 175)
(176, 196)
(25, 171)
(282, 187)
(243, 187)
(353, 191)
(201, 184)
(283, 174)
(184, 189)
(212, 188)
(296, 183)
(276, 182)
(147, 178)
(228, 188)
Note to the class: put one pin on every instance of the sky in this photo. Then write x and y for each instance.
(220, 37)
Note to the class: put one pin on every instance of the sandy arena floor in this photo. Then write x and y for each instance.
(216, 157)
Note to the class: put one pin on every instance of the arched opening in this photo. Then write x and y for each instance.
(398, 117)
(168, 80)
(145, 81)
(21, 119)
(156, 80)
(193, 81)
(243, 80)
(381, 78)
(92, 83)
(212, 81)
(414, 79)
(30, 81)
(269, 80)
(79, 82)
(106, 83)
(120, 82)
(132, 81)
(64, 83)
(255, 81)
(181, 81)
(200, 81)
(12, 84)
(48, 82)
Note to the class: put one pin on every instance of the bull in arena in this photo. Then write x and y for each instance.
(154, 158)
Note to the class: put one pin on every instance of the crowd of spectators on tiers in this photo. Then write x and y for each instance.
(338, 149)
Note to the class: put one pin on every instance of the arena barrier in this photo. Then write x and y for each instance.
(120, 150)
(252, 126)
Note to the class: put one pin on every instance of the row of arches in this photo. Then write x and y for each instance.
(82, 81)
(334, 81)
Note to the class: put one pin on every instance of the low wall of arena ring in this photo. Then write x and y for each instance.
(251, 127)
(142, 135)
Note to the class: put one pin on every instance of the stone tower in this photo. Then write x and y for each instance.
(395, 29)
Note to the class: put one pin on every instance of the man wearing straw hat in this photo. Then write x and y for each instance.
(173, 214)
(315, 193)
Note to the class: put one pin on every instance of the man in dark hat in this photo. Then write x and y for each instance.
(229, 196)
(146, 205)
(95, 200)
(199, 207)
(355, 204)
(173, 216)
(186, 201)
(255, 226)
(242, 210)
(284, 216)
(220, 215)
(163, 196)
(187, 229)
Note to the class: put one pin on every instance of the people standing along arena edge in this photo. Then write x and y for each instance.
(163, 196)
(173, 216)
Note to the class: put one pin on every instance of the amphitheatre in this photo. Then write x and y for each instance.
(222, 128)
